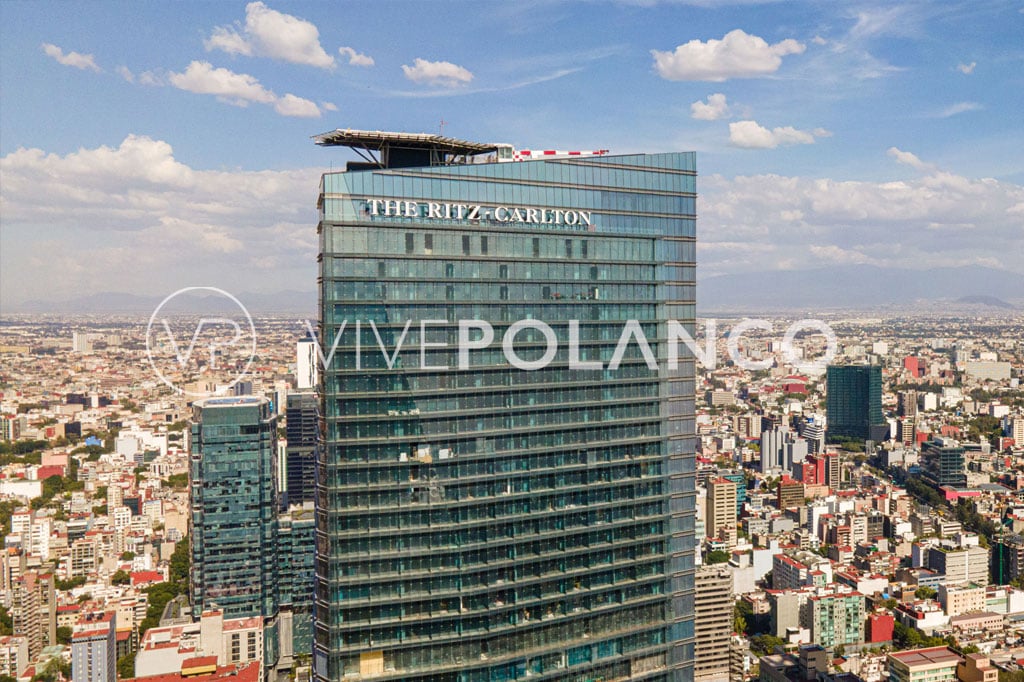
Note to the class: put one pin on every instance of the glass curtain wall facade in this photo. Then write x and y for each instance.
(233, 538)
(494, 523)
(302, 430)
(854, 402)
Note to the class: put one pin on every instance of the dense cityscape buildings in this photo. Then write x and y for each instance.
(411, 512)
(860, 551)
(484, 514)
(389, 407)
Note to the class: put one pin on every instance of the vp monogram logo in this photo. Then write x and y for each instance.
(227, 342)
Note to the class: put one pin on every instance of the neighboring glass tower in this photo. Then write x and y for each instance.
(302, 430)
(296, 541)
(854, 403)
(233, 534)
(495, 522)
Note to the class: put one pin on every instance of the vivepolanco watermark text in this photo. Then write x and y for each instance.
(227, 342)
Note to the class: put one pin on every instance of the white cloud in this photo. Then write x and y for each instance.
(239, 89)
(75, 59)
(328, 106)
(143, 219)
(355, 58)
(437, 73)
(715, 108)
(909, 159)
(228, 40)
(126, 73)
(890, 223)
(966, 69)
(150, 78)
(752, 135)
(959, 108)
(269, 33)
(833, 254)
(737, 55)
(818, 40)
(290, 105)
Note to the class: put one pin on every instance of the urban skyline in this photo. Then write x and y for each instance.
(831, 136)
(475, 427)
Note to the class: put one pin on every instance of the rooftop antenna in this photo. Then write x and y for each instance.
(440, 128)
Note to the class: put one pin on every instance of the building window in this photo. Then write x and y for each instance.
(465, 244)
(410, 242)
(483, 245)
(583, 248)
(568, 248)
(428, 243)
(536, 247)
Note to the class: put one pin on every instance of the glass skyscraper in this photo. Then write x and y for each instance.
(233, 538)
(302, 433)
(853, 403)
(498, 506)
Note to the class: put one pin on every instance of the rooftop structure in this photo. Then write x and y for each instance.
(403, 150)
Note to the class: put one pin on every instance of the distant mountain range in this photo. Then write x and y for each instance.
(860, 287)
(114, 303)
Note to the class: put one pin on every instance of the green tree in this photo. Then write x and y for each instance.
(6, 623)
(1011, 676)
(762, 645)
(120, 578)
(180, 565)
(126, 666)
(739, 621)
(7, 508)
(157, 597)
(63, 635)
(56, 669)
(717, 556)
(70, 583)
(925, 592)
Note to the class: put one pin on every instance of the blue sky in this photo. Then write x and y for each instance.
(150, 146)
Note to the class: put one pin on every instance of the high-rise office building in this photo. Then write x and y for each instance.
(302, 430)
(835, 619)
(714, 621)
(1007, 561)
(296, 540)
(721, 520)
(854, 403)
(944, 464)
(740, 479)
(491, 503)
(94, 648)
(233, 529)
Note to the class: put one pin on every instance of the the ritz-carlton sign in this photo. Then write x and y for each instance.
(399, 208)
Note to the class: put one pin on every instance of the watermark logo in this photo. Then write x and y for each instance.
(200, 354)
(479, 335)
